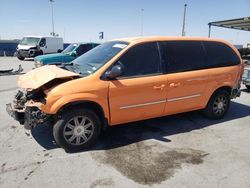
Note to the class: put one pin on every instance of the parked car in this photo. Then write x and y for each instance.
(32, 46)
(69, 54)
(128, 80)
(246, 74)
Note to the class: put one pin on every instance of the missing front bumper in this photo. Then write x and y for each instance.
(15, 113)
(30, 117)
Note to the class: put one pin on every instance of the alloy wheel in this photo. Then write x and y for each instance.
(78, 130)
(220, 104)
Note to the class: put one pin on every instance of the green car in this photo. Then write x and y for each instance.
(67, 55)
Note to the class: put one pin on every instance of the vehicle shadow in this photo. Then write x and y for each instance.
(158, 129)
(245, 90)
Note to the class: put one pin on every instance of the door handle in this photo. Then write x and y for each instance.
(161, 87)
(175, 84)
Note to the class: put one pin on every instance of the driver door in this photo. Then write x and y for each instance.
(140, 93)
(43, 46)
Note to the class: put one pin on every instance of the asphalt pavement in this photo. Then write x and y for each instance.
(184, 150)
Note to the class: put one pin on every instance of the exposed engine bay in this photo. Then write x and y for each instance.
(26, 106)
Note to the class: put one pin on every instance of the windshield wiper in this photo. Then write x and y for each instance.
(71, 67)
(90, 65)
(63, 65)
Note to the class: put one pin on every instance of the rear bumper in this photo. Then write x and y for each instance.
(30, 117)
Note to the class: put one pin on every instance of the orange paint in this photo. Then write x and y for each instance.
(140, 98)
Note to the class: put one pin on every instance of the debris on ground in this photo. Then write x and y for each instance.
(11, 71)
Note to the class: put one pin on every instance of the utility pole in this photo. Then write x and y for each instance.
(184, 20)
(52, 14)
(209, 30)
(142, 10)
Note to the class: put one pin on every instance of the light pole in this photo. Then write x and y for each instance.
(184, 20)
(142, 10)
(52, 14)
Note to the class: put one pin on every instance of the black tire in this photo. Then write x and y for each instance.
(63, 131)
(248, 87)
(20, 57)
(40, 52)
(218, 105)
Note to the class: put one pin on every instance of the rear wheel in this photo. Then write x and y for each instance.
(218, 105)
(76, 130)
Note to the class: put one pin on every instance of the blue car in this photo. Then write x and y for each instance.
(67, 55)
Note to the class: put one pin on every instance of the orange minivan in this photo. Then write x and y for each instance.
(128, 80)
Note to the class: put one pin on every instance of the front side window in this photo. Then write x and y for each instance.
(42, 42)
(180, 56)
(141, 60)
(220, 55)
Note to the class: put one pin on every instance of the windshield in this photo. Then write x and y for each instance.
(70, 48)
(94, 59)
(29, 41)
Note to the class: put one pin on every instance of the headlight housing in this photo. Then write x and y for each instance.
(38, 63)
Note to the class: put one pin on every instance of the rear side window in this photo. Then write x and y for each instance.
(220, 55)
(141, 60)
(179, 56)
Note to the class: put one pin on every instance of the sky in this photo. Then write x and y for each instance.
(82, 20)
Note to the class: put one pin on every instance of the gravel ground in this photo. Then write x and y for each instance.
(185, 150)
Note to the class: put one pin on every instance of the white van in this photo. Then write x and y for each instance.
(32, 46)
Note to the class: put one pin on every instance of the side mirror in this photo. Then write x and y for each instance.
(114, 72)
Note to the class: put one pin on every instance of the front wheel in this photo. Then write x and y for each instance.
(76, 130)
(20, 57)
(40, 52)
(218, 105)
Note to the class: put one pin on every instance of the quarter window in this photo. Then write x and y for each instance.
(220, 55)
(179, 56)
(141, 60)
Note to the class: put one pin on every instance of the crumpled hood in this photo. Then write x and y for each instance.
(54, 58)
(40, 76)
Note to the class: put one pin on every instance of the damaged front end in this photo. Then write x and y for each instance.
(28, 102)
(26, 108)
